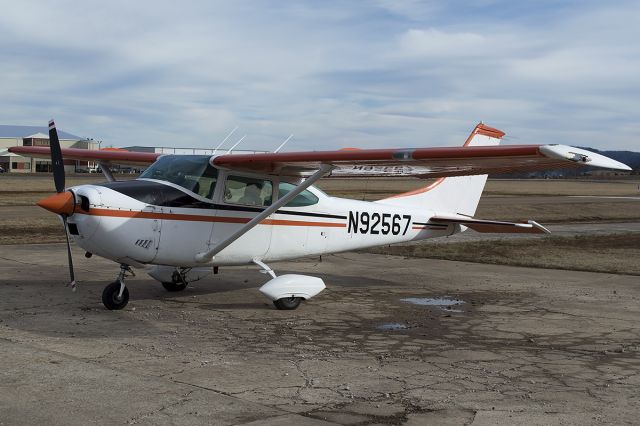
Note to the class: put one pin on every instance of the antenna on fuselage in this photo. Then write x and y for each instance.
(283, 143)
(224, 140)
(236, 144)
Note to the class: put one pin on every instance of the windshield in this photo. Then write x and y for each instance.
(192, 172)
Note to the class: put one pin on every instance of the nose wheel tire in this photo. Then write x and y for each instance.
(287, 303)
(111, 296)
(173, 286)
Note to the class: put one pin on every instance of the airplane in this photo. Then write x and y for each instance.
(187, 215)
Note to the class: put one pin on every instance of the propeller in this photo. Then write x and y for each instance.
(59, 180)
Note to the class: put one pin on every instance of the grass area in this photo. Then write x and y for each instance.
(615, 253)
(376, 188)
(39, 233)
(515, 200)
(558, 210)
(26, 190)
(43, 182)
(554, 187)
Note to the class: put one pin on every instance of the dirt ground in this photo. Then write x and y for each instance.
(511, 345)
(507, 345)
(617, 253)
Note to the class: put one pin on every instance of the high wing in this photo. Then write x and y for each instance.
(108, 157)
(417, 162)
(421, 162)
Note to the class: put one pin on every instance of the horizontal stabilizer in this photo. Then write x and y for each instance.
(491, 226)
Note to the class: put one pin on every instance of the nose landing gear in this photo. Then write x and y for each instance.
(116, 295)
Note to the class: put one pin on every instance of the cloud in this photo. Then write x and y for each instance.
(384, 73)
(436, 43)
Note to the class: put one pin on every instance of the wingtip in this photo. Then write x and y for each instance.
(541, 228)
(588, 158)
(625, 167)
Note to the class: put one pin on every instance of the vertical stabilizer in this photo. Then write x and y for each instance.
(459, 194)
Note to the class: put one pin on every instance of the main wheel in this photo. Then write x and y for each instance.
(177, 283)
(110, 297)
(287, 303)
(173, 286)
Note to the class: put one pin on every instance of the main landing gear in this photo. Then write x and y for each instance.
(178, 281)
(287, 291)
(116, 295)
(287, 303)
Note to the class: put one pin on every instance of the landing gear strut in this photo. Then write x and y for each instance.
(178, 281)
(116, 295)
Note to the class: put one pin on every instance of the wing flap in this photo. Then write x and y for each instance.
(111, 157)
(492, 226)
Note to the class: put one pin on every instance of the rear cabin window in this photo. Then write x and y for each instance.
(305, 198)
(248, 191)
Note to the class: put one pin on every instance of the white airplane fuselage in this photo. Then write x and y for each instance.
(116, 221)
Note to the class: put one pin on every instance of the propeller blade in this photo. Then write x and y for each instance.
(72, 284)
(56, 158)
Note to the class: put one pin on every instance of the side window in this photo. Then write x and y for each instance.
(247, 191)
(305, 198)
(203, 185)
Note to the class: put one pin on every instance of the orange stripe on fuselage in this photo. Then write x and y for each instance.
(200, 218)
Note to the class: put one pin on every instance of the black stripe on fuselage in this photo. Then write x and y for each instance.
(161, 195)
(430, 224)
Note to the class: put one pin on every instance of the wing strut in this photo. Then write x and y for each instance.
(106, 171)
(208, 255)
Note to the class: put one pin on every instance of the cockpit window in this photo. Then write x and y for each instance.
(192, 172)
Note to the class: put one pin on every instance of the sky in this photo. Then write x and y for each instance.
(367, 74)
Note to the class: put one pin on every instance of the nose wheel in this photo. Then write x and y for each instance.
(111, 297)
(115, 296)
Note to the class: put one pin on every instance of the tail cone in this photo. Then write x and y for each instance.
(60, 203)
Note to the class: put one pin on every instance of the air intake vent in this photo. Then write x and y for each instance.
(144, 243)
(73, 229)
(84, 203)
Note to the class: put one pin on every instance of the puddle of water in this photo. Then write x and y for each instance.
(444, 303)
(392, 326)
